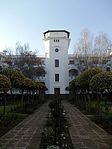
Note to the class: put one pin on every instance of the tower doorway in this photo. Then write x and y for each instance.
(56, 91)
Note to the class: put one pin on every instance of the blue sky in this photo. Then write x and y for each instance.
(26, 20)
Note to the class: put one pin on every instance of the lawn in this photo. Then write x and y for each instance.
(99, 111)
(8, 109)
(14, 114)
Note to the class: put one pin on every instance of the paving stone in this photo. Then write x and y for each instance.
(27, 133)
(79, 145)
(22, 144)
(84, 133)
(89, 143)
(103, 146)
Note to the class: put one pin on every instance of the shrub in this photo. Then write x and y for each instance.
(102, 82)
(83, 80)
(5, 84)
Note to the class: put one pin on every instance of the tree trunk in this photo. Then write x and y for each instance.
(4, 103)
(22, 98)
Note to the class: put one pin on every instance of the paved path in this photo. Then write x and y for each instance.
(27, 134)
(84, 133)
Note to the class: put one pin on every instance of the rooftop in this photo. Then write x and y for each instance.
(57, 31)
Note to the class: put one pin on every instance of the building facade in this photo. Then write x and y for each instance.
(60, 67)
(56, 61)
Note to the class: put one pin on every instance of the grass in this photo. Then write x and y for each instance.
(9, 121)
(99, 112)
(104, 121)
(102, 115)
(8, 108)
(14, 114)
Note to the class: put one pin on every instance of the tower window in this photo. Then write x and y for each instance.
(71, 62)
(56, 50)
(57, 77)
(56, 62)
(57, 40)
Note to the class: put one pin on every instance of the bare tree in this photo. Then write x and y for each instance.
(22, 49)
(91, 52)
(84, 46)
(26, 61)
(102, 44)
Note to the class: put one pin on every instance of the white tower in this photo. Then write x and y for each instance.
(56, 52)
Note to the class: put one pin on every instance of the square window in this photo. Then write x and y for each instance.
(56, 62)
(71, 61)
(57, 77)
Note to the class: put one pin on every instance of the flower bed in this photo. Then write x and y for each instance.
(56, 132)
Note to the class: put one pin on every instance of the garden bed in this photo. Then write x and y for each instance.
(10, 120)
(56, 131)
(99, 111)
(104, 121)
(14, 114)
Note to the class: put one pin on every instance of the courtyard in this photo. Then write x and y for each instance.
(84, 133)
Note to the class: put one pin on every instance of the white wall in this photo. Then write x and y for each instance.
(62, 55)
